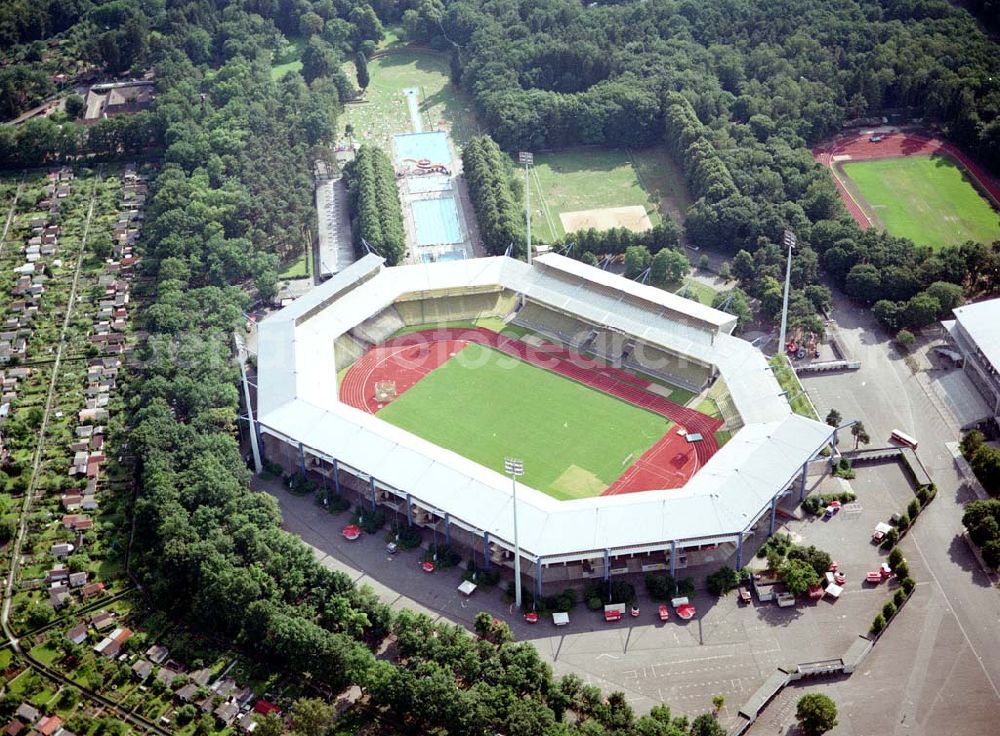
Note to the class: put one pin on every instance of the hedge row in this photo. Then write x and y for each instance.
(501, 223)
(376, 215)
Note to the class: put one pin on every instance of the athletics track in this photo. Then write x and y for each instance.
(669, 463)
(858, 147)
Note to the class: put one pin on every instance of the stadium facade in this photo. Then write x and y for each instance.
(304, 426)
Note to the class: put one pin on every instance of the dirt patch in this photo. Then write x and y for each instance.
(633, 218)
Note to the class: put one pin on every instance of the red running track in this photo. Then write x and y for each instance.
(667, 464)
(857, 147)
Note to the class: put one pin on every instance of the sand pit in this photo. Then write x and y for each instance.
(634, 218)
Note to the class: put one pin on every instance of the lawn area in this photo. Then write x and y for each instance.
(694, 290)
(289, 59)
(596, 178)
(708, 407)
(300, 268)
(383, 111)
(927, 199)
(574, 441)
(789, 382)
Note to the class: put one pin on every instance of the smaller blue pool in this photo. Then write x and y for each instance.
(445, 255)
(436, 221)
(417, 146)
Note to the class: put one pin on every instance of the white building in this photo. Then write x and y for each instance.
(976, 332)
(304, 425)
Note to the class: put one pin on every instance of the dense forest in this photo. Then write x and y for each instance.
(739, 91)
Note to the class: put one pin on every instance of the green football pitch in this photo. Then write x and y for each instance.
(927, 199)
(485, 405)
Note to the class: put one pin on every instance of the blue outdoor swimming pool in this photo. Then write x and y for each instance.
(436, 221)
(445, 255)
(417, 146)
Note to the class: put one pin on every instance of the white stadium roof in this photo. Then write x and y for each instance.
(981, 321)
(297, 402)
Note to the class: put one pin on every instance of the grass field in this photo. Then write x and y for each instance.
(574, 441)
(593, 178)
(384, 113)
(289, 59)
(927, 199)
(789, 382)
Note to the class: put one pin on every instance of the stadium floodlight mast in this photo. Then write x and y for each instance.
(515, 467)
(527, 159)
(789, 241)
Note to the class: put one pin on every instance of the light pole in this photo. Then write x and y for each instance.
(527, 159)
(790, 242)
(515, 467)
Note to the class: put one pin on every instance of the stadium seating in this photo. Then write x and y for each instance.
(562, 327)
(672, 368)
(376, 329)
(455, 308)
(346, 350)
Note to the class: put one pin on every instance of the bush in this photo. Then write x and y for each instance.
(442, 556)
(913, 509)
(878, 624)
(370, 521)
(594, 603)
(895, 557)
(723, 580)
(908, 585)
(406, 537)
(891, 537)
(902, 570)
(622, 592)
(903, 522)
(338, 504)
(905, 338)
(899, 598)
(926, 493)
(660, 587)
(889, 610)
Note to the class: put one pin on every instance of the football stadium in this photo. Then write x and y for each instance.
(407, 388)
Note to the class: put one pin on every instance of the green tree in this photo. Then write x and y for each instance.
(816, 713)
(734, 302)
(971, 441)
(668, 267)
(833, 418)
(864, 282)
(706, 725)
(319, 59)
(985, 464)
(905, 338)
(311, 717)
(637, 260)
(75, 106)
(310, 24)
(798, 576)
(860, 434)
(921, 310)
(361, 65)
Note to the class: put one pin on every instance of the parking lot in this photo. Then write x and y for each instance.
(729, 649)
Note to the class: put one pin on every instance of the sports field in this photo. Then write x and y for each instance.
(574, 441)
(384, 112)
(927, 199)
(596, 178)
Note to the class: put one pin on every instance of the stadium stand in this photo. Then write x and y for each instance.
(346, 350)
(455, 307)
(724, 400)
(669, 367)
(561, 327)
(376, 329)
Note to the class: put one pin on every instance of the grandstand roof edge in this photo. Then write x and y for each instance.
(718, 319)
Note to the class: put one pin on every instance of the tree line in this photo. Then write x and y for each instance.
(487, 173)
(376, 215)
